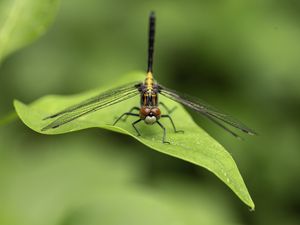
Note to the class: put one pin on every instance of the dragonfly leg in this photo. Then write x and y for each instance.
(125, 114)
(170, 118)
(130, 111)
(169, 111)
(133, 124)
(164, 136)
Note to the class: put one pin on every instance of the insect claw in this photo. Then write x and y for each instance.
(179, 131)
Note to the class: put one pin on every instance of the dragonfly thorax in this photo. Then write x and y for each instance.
(149, 98)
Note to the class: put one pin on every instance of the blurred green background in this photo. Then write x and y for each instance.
(241, 56)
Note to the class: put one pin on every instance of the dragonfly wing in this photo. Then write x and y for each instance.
(210, 112)
(105, 96)
(95, 103)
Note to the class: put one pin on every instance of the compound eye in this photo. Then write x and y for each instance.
(156, 112)
(144, 111)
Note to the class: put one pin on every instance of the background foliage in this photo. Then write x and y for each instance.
(240, 56)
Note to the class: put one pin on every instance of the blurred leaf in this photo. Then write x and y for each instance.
(8, 118)
(22, 21)
(194, 146)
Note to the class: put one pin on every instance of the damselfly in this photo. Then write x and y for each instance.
(149, 110)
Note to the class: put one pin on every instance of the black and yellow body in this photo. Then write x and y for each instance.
(149, 111)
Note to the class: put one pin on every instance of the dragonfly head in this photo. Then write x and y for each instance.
(150, 114)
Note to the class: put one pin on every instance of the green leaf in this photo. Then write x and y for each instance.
(22, 21)
(194, 146)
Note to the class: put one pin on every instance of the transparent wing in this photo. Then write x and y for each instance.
(210, 112)
(95, 103)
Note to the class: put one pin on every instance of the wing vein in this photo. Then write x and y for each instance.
(206, 110)
(103, 100)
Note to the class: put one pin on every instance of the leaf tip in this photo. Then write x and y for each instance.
(252, 208)
(251, 205)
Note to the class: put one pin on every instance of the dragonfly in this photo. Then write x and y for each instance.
(149, 109)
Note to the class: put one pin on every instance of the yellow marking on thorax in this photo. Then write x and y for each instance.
(149, 81)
